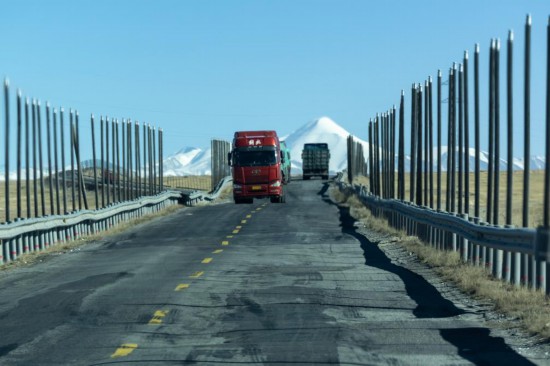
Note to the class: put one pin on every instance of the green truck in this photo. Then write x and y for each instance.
(285, 162)
(315, 160)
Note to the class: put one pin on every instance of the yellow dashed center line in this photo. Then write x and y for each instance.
(206, 260)
(217, 251)
(258, 209)
(238, 227)
(181, 286)
(157, 317)
(248, 216)
(229, 236)
(225, 242)
(243, 221)
(235, 231)
(124, 350)
(197, 274)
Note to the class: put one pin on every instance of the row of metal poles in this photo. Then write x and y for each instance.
(129, 167)
(356, 161)
(424, 190)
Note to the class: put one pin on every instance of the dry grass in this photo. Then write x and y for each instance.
(536, 195)
(201, 182)
(530, 308)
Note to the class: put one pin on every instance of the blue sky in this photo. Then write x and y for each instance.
(203, 69)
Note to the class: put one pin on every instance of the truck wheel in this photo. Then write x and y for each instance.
(274, 199)
(325, 177)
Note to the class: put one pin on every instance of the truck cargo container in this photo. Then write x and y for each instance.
(315, 160)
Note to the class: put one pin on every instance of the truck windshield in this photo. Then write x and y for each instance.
(254, 158)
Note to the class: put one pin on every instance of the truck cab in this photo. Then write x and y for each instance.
(255, 161)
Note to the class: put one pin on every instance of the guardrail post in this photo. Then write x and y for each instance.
(542, 251)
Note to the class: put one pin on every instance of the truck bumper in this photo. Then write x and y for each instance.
(257, 191)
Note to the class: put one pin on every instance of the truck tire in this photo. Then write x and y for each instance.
(325, 177)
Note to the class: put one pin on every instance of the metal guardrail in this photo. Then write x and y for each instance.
(497, 248)
(192, 197)
(36, 234)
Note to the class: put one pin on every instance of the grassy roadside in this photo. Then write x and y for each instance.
(531, 309)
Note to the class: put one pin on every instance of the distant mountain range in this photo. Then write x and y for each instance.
(196, 161)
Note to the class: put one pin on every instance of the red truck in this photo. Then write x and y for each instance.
(255, 161)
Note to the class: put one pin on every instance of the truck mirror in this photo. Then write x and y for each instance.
(229, 158)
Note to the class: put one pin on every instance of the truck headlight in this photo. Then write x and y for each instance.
(237, 186)
(277, 183)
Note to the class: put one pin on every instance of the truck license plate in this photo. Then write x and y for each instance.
(256, 188)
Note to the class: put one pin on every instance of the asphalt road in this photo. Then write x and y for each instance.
(261, 284)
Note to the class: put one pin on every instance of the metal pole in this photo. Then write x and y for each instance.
(371, 156)
(27, 159)
(73, 183)
(42, 196)
(34, 159)
(497, 132)
(431, 139)
(466, 137)
(491, 133)
(145, 175)
(49, 147)
(426, 201)
(107, 171)
(62, 128)
(439, 140)
(546, 219)
(392, 158)
(161, 154)
(477, 187)
(19, 121)
(130, 158)
(102, 162)
(401, 153)
(419, 147)
(510, 132)
(118, 174)
(94, 163)
(56, 163)
(527, 122)
(137, 158)
(123, 153)
(460, 139)
(453, 101)
(449, 144)
(413, 142)
(7, 151)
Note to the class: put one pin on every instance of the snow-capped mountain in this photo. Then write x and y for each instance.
(326, 130)
(188, 161)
